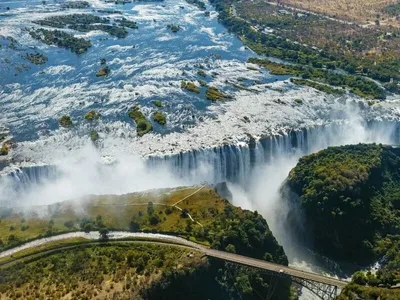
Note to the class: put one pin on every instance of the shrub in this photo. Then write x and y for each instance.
(184, 213)
(150, 208)
(359, 278)
(201, 73)
(4, 149)
(174, 28)
(134, 226)
(142, 125)
(65, 121)
(69, 224)
(160, 118)
(157, 103)
(202, 83)
(190, 86)
(88, 227)
(230, 248)
(154, 220)
(104, 233)
(92, 116)
(214, 94)
(103, 72)
(94, 136)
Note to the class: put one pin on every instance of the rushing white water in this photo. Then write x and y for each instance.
(255, 171)
(251, 141)
(86, 172)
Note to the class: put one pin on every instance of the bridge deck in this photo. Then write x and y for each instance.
(256, 263)
(176, 241)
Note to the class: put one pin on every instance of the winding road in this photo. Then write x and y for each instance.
(174, 241)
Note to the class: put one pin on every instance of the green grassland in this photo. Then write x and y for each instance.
(150, 273)
(115, 212)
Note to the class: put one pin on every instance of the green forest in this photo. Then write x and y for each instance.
(223, 226)
(350, 197)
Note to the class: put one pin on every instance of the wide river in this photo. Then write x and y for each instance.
(149, 64)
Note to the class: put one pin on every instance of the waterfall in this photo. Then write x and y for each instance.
(236, 162)
(33, 175)
(231, 162)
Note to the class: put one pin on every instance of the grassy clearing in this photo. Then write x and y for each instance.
(116, 212)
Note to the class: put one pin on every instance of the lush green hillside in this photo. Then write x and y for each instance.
(355, 292)
(216, 223)
(350, 197)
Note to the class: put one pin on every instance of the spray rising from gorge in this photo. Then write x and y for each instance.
(251, 142)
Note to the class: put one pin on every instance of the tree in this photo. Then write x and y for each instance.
(69, 224)
(189, 225)
(130, 257)
(184, 213)
(140, 264)
(228, 211)
(268, 257)
(158, 263)
(359, 278)
(154, 220)
(11, 238)
(134, 226)
(150, 208)
(65, 121)
(104, 233)
(99, 221)
(87, 227)
(230, 248)
(243, 285)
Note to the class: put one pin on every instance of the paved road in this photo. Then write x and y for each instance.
(177, 241)
(252, 262)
